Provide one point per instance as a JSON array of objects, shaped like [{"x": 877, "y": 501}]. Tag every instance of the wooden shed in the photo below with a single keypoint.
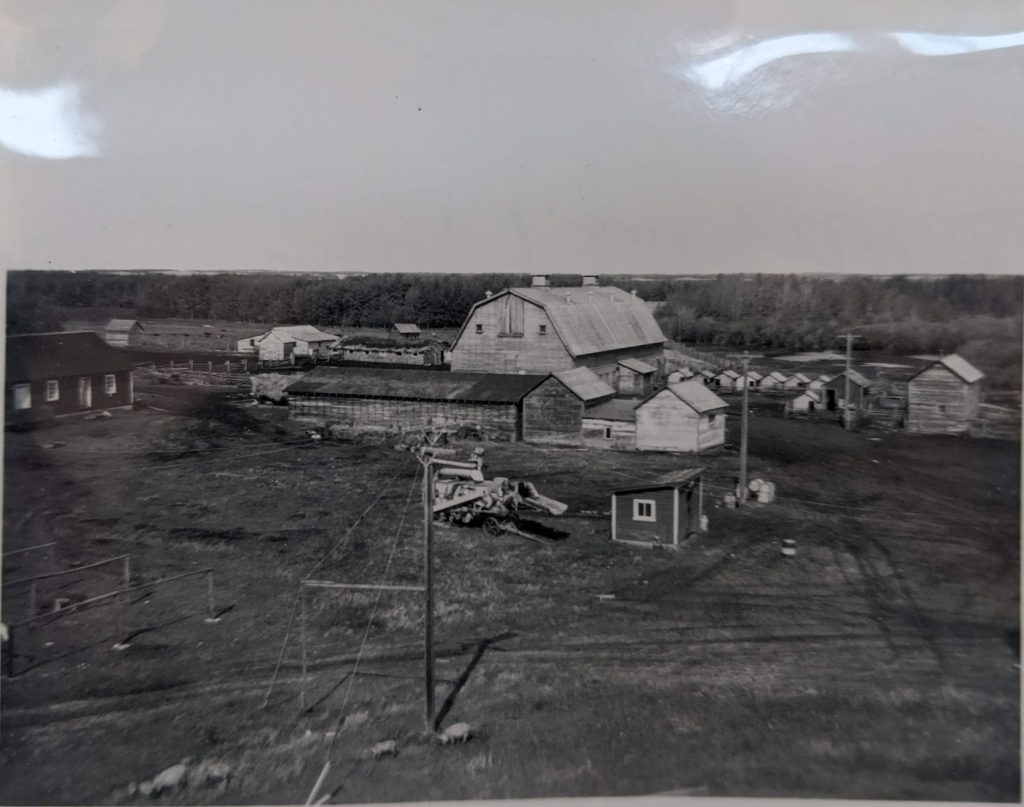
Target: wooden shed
[
  {"x": 662, "y": 512},
  {"x": 686, "y": 417},
  {"x": 407, "y": 330},
  {"x": 834, "y": 390},
  {"x": 682, "y": 374},
  {"x": 123, "y": 333},
  {"x": 588, "y": 387},
  {"x": 635, "y": 377},
  {"x": 944, "y": 397},
  {"x": 806, "y": 401},
  {"x": 611, "y": 424},
  {"x": 774, "y": 380},
  {"x": 726, "y": 379},
  {"x": 796, "y": 381}
]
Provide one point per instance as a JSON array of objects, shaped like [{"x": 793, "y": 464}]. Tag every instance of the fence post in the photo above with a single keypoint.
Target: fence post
[
  {"x": 127, "y": 569},
  {"x": 245, "y": 364},
  {"x": 210, "y": 366}
]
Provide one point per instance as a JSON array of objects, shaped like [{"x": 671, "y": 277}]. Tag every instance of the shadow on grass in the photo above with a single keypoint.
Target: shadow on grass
[{"x": 478, "y": 654}]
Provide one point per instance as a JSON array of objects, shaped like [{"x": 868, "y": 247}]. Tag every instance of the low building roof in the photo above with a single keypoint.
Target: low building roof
[
  {"x": 695, "y": 395},
  {"x": 809, "y": 394},
  {"x": 586, "y": 384},
  {"x": 407, "y": 327},
  {"x": 421, "y": 385},
  {"x": 708, "y": 373},
  {"x": 615, "y": 409},
  {"x": 123, "y": 325},
  {"x": 729, "y": 373},
  {"x": 855, "y": 378},
  {"x": 637, "y": 366},
  {"x": 300, "y": 333},
  {"x": 776, "y": 375},
  {"x": 675, "y": 479},
  {"x": 799, "y": 377},
  {"x": 34, "y": 357},
  {"x": 959, "y": 366},
  {"x": 756, "y": 376}
]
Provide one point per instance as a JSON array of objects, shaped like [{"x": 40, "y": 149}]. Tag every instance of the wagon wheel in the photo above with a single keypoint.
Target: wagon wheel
[{"x": 493, "y": 527}]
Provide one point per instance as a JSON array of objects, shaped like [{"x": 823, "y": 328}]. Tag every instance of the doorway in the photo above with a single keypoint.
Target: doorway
[
  {"x": 84, "y": 392},
  {"x": 830, "y": 400}
]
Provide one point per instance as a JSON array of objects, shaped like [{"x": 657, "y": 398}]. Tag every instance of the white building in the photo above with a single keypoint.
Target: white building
[{"x": 287, "y": 341}]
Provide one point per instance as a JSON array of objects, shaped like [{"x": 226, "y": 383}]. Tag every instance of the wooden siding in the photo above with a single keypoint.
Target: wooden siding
[
  {"x": 492, "y": 352},
  {"x": 132, "y": 338},
  {"x": 67, "y": 403},
  {"x": 494, "y": 421},
  {"x": 622, "y": 436},
  {"x": 940, "y": 402},
  {"x": 606, "y": 365},
  {"x": 630, "y": 382},
  {"x": 655, "y": 532},
  {"x": 427, "y": 356},
  {"x": 552, "y": 414},
  {"x": 665, "y": 423},
  {"x": 273, "y": 348}
]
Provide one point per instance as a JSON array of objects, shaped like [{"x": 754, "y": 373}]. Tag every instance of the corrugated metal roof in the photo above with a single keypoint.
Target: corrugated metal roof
[
  {"x": 674, "y": 479},
  {"x": 123, "y": 324},
  {"x": 961, "y": 367},
  {"x": 55, "y": 355},
  {"x": 587, "y": 385},
  {"x": 406, "y": 327},
  {"x": 696, "y": 395},
  {"x": 638, "y": 366},
  {"x": 424, "y": 385},
  {"x": 615, "y": 409},
  {"x": 590, "y": 319},
  {"x": 300, "y": 333}
]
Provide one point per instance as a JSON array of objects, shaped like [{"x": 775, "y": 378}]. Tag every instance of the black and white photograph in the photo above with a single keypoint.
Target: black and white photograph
[{"x": 443, "y": 400}]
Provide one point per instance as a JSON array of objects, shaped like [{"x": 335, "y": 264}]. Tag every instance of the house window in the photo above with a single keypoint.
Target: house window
[
  {"x": 543, "y": 329},
  {"x": 52, "y": 391},
  {"x": 479, "y": 328},
  {"x": 110, "y": 383},
  {"x": 644, "y": 510},
  {"x": 607, "y": 432},
  {"x": 22, "y": 396}
]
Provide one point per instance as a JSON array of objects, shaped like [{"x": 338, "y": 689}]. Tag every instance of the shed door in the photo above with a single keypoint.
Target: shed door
[
  {"x": 830, "y": 400},
  {"x": 84, "y": 392}
]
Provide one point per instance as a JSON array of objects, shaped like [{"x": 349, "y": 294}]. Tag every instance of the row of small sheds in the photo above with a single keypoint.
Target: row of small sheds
[{"x": 733, "y": 380}]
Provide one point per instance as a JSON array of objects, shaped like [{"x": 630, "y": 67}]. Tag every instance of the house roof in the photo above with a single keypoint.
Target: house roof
[
  {"x": 695, "y": 395},
  {"x": 959, "y": 366},
  {"x": 823, "y": 377},
  {"x": 615, "y": 409},
  {"x": 708, "y": 373},
  {"x": 685, "y": 372},
  {"x": 855, "y": 378},
  {"x": 589, "y": 319},
  {"x": 811, "y": 394},
  {"x": 675, "y": 479},
  {"x": 300, "y": 333},
  {"x": 407, "y": 327},
  {"x": 799, "y": 377},
  {"x": 775, "y": 375},
  {"x": 638, "y": 366},
  {"x": 753, "y": 374},
  {"x": 729, "y": 374},
  {"x": 585, "y": 383},
  {"x": 54, "y": 355},
  {"x": 123, "y": 324},
  {"x": 423, "y": 385}
]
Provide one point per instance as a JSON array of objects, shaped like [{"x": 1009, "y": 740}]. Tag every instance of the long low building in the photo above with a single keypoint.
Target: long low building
[{"x": 536, "y": 408}]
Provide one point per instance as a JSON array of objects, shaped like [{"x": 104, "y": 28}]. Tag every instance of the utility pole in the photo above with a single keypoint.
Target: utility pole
[
  {"x": 745, "y": 357},
  {"x": 428, "y": 574},
  {"x": 849, "y": 337}
]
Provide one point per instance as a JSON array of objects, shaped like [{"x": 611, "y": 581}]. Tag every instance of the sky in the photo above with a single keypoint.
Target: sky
[{"x": 562, "y": 136}]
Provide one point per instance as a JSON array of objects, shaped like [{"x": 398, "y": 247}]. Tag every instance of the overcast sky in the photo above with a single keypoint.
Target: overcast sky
[{"x": 506, "y": 135}]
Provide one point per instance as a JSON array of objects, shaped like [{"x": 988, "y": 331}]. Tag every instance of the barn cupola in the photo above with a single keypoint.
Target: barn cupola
[
  {"x": 540, "y": 280},
  {"x": 590, "y": 280}
]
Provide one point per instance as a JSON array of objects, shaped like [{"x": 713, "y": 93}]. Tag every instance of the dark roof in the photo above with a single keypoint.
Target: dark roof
[
  {"x": 615, "y": 409},
  {"x": 675, "y": 479},
  {"x": 422, "y": 385},
  {"x": 55, "y": 355}
]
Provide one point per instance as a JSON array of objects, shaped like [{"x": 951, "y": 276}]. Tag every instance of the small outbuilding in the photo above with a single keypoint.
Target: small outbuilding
[
  {"x": 797, "y": 381},
  {"x": 611, "y": 424},
  {"x": 123, "y": 333},
  {"x": 635, "y": 377},
  {"x": 727, "y": 379},
  {"x": 944, "y": 397},
  {"x": 662, "y": 512},
  {"x": 407, "y": 330},
  {"x": 752, "y": 378},
  {"x": 774, "y": 380},
  {"x": 682, "y": 374},
  {"x": 707, "y": 376},
  {"x": 587, "y": 385},
  {"x": 686, "y": 417},
  {"x": 833, "y": 392},
  {"x": 288, "y": 342},
  {"x": 819, "y": 381},
  {"x": 807, "y": 401}
]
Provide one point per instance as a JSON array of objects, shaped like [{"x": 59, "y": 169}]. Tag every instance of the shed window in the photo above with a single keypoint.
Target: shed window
[
  {"x": 479, "y": 328},
  {"x": 941, "y": 409},
  {"x": 712, "y": 419},
  {"x": 110, "y": 383},
  {"x": 52, "y": 391},
  {"x": 22, "y": 396},
  {"x": 644, "y": 510},
  {"x": 607, "y": 432},
  {"x": 543, "y": 329}
]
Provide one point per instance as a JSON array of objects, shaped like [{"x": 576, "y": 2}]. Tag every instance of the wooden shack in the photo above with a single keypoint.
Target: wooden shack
[
  {"x": 407, "y": 330},
  {"x": 682, "y": 374},
  {"x": 833, "y": 391},
  {"x": 662, "y": 512},
  {"x": 686, "y": 417},
  {"x": 774, "y": 380},
  {"x": 796, "y": 381},
  {"x": 611, "y": 424},
  {"x": 635, "y": 377},
  {"x": 944, "y": 397},
  {"x": 123, "y": 333},
  {"x": 727, "y": 379},
  {"x": 588, "y": 387},
  {"x": 807, "y": 401}
]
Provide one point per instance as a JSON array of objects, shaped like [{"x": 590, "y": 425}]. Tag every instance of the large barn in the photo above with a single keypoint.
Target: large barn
[
  {"x": 535, "y": 408},
  {"x": 544, "y": 329},
  {"x": 944, "y": 397},
  {"x": 58, "y": 374}
]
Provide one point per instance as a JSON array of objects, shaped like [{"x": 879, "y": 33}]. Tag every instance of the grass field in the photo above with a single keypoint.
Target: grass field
[{"x": 881, "y": 662}]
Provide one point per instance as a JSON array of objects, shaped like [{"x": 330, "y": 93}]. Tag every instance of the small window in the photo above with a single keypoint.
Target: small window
[
  {"x": 644, "y": 510},
  {"x": 110, "y": 383},
  {"x": 543, "y": 329},
  {"x": 22, "y": 396},
  {"x": 712, "y": 419},
  {"x": 52, "y": 391},
  {"x": 252, "y": 342},
  {"x": 941, "y": 409},
  {"x": 607, "y": 432},
  {"x": 479, "y": 328}
]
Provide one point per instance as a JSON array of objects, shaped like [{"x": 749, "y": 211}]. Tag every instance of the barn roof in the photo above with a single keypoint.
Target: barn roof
[
  {"x": 407, "y": 328},
  {"x": 638, "y": 366},
  {"x": 422, "y": 385},
  {"x": 695, "y": 395},
  {"x": 54, "y": 355},
  {"x": 675, "y": 479},
  {"x": 959, "y": 366},
  {"x": 300, "y": 333},
  {"x": 123, "y": 325},
  {"x": 615, "y": 409},
  {"x": 585, "y": 383},
  {"x": 589, "y": 319}
]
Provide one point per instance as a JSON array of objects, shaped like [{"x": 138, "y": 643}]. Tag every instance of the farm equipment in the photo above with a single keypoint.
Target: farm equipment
[{"x": 462, "y": 496}]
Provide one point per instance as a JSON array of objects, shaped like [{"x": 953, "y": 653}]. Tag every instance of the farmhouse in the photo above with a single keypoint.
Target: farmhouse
[
  {"x": 287, "y": 341},
  {"x": 611, "y": 424},
  {"x": 123, "y": 333},
  {"x": 537, "y": 408},
  {"x": 796, "y": 381},
  {"x": 58, "y": 374},
  {"x": 542, "y": 329},
  {"x": 944, "y": 397},
  {"x": 774, "y": 380},
  {"x": 407, "y": 330},
  {"x": 682, "y": 417},
  {"x": 636, "y": 377},
  {"x": 662, "y": 512}
]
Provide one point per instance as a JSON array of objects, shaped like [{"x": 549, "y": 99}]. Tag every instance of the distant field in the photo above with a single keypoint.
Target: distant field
[{"x": 881, "y": 662}]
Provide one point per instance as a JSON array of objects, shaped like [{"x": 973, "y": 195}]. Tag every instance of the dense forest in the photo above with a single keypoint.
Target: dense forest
[{"x": 980, "y": 317}]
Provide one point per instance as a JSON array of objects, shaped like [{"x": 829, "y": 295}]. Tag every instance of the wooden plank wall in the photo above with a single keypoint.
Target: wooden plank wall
[
  {"x": 623, "y": 434},
  {"x": 490, "y": 352},
  {"x": 664, "y": 423},
  {"x": 938, "y": 387},
  {"x": 660, "y": 531},
  {"x": 552, "y": 414}
]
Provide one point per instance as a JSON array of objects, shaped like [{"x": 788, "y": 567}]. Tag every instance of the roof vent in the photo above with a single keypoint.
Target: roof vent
[
  {"x": 568, "y": 297},
  {"x": 488, "y": 293},
  {"x": 590, "y": 280},
  {"x": 633, "y": 292},
  {"x": 540, "y": 280}
]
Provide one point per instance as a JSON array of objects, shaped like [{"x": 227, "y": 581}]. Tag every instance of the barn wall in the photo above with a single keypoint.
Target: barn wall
[
  {"x": 937, "y": 387},
  {"x": 68, "y": 402},
  {"x": 623, "y": 434},
  {"x": 490, "y": 352},
  {"x": 552, "y": 414},
  {"x": 659, "y": 532},
  {"x": 664, "y": 423},
  {"x": 494, "y": 421}
]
